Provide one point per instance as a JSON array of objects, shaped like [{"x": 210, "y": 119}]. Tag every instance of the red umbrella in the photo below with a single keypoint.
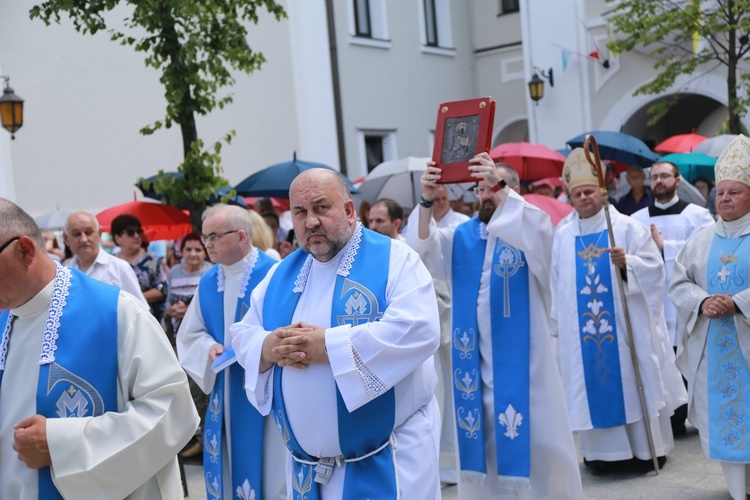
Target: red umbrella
[
  {"x": 159, "y": 222},
  {"x": 556, "y": 209},
  {"x": 681, "y": 143},
  {"x": 533, "y": 161}
]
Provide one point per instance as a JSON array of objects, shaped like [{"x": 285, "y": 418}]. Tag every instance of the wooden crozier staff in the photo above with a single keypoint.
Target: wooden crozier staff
[{"x": 596, "y": 164}]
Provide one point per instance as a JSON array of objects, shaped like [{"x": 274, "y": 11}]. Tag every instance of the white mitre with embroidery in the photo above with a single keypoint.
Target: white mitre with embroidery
[
  {"x": 577, "y": 170},
  {"x": 734, "y": 162}
]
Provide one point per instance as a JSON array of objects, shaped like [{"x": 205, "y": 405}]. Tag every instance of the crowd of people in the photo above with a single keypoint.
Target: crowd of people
[{"x": 337, "y": 353}]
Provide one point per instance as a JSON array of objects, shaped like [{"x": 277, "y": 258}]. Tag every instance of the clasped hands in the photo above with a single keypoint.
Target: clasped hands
[
  {"x": 718, "y": 306},
  {"x": 296, "y": 345}
]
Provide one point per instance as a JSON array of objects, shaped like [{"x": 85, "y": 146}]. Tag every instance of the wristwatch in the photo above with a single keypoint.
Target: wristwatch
[{"x": 500, "y": 185}]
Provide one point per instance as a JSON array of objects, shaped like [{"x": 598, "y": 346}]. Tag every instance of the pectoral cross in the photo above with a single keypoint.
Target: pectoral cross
[{"x": 724, "y": 273}]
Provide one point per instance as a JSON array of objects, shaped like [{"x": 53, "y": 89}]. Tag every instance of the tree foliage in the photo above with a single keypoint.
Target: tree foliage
[
  {"x": 195, "y": 45},
  {"x": 687, "y": 37}
]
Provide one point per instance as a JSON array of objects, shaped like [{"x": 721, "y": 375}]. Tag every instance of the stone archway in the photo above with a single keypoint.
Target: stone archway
[
  {"x": 690, "y": 112},
  {"x": 513, "y": 130}
]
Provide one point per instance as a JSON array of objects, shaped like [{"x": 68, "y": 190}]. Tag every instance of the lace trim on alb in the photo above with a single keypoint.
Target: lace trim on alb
[
  {"x": 483, "y": 231},
  {"x": 220, "y": 279},
  {"x": 5, "y": 340},
  {"x": 350, "y": 252},
  {"x": 301, "y": 281},
  {"x": 248, "y": 272},
  {"x": 56, "y": 305},
  {"x": 374, "y": 387}
]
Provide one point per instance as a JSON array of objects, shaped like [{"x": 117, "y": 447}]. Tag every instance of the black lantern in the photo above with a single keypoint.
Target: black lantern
[
  {"x": 11, "y": 109},
  {"x": 536, "y": 84}
]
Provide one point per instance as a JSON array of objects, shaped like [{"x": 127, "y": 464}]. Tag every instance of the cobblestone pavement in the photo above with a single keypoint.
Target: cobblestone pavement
[{"x": 687, "y": 475}]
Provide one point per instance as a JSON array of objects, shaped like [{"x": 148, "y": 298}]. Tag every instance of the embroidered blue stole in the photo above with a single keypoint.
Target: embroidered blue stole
[
  {"x": 598, "y": 332},
  {"x": 728, "y": 376},
  {"x": 510, "y": 325},
  {"x": 79, "y": 378},
  {"x": 357, "y": 299},
  {"x": 247, "y": 423}
]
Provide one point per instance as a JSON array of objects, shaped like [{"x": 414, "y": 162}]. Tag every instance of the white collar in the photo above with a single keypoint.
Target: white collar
[{"x": 668, "y": 204}]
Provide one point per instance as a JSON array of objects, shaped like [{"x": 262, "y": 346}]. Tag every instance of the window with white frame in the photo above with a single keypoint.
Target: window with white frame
[
  {"x": 368, "y": 19},
  {"x": 508, "y": 6},
  {"x": 436, "y": 27},
  {"x": 376, "y": 146}
]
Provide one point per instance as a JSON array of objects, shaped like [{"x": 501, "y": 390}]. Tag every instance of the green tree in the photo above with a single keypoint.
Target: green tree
[
  {"x": 687, "y": 37},
  {"x": 194, "y": 44}
]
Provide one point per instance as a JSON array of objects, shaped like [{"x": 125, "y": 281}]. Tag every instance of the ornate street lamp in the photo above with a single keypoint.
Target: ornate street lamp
[
  {"x": 536, "y": 84},
  {"x": 11, "y": 109}
]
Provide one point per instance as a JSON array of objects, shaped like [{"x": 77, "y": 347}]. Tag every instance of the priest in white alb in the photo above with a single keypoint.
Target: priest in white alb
[
  {"x": 242, "y": 453},
  {"x": 514, "y": 439},
  {"x": 338, "y": 346},
  {"x": 709, "y": 288},
  {"x": 93, "y": 403},
  {"x": 595, "y": 358}
]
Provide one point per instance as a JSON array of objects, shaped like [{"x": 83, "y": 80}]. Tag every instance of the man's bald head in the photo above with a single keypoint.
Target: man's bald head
[
  {"x": 14, "y": 221},
  {"x": 82, "y": 235},
  {"x": 322, "y": 175}
]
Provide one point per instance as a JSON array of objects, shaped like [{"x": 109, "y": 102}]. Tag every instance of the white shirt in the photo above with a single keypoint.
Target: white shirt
[
  {"x": 130, "y": 453},
  {"x": 113, "y": 271}
]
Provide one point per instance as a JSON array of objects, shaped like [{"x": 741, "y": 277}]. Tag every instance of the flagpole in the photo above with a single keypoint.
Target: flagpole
[{"x": 596, "y": 164}]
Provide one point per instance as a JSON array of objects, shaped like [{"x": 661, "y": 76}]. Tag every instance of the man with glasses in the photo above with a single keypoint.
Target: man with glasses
[
  {"x": 82, "y": 235},
  {"x": 506, "y": 385},
  {"x": 94, "y": 403},
  {"x": 241, "y": 449},
  {"x": 672, "y": 223}
]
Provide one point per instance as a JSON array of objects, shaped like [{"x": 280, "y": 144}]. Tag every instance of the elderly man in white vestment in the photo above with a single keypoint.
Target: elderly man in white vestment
[
  {"x": 594, "y": 354},
  {"x": 514, "y": 439},
  {"x": 94, "y": 403},
  {"x": 82, "y": 235},
  {"x": 672, "y": 222},
  {"x": 242, "y": 451},
  {"x": 338, "y": 345},
  {"x": 709, "y": 287}
]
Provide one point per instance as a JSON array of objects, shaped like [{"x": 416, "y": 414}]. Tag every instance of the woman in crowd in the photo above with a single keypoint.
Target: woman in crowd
[
  {"x": 263, "y": 238},
  {"x": 152, "y": 275},
  {"x": 184, "y": 278}
]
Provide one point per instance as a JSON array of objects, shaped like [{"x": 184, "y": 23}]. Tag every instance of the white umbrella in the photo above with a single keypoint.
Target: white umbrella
[
  {"x": 52, "y": 221},
  {"x": 714, "y": 145},
  {"x": 396, "y": 179}
]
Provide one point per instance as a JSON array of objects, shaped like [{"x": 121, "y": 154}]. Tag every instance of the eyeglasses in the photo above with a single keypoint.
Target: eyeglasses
[
  {"x": 132, "y": 232},
  {"x": 210, "y": 238},
  {"x": 5, "y": 245},
  {"x": 663, "y": 177}
]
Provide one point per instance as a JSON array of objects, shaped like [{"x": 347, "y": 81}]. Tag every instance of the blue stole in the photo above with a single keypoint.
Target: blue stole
[
  {"x": 247, "y": 428},
  {"x": 357, "y": 299},
  {"x": 78, "y": 369},
  {"x": 598, "y": 332},
  {"x": 728, "y": 377},
  {"x": 510, "y": 325}
]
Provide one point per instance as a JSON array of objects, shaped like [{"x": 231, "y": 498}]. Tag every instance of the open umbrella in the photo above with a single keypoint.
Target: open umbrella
[
  {"x": 532, "y": 161},
  {"x": 556, "y": 209},
  {"x": 52, "y": 221},
  {"x": 713, "y": 146},
  {"x": 159, "y": 222},
  {"x": 619, "y": 147},
  {"x": 681, "y": 143},
  {"x": 274, "y": 181},
  {"x": 693, "y": 165},
  {"x": 147, "y": 188},
  {"x": 396, "y": 179}
]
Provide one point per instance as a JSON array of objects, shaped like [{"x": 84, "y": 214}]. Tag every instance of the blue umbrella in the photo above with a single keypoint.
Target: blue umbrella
[
  {"x": 693, "y": 165},
  {"x": 619, "y": 147},
  {"x": 147, "y": 188},
  {"x": 274, "y": 181}
]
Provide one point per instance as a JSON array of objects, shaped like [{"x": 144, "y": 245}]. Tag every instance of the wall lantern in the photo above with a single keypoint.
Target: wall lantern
[
  {"x": 11, "y": 109},
  {"x": 536, "y": 84}
]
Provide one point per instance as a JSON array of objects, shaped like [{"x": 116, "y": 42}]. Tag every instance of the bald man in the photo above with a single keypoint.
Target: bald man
[
  {"x": 82, "y": 235},
  {"x": 338, "y": 346}
]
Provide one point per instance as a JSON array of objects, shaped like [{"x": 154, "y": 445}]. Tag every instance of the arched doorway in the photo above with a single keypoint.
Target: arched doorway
[{"x": 514, "y": 130}]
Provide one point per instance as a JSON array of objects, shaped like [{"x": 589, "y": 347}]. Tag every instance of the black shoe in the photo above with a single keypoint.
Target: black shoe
[
  {"x": 599, "y": 467},
  {"x": 648, "y": 465},
  {"x": 678, "y": 428}
]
